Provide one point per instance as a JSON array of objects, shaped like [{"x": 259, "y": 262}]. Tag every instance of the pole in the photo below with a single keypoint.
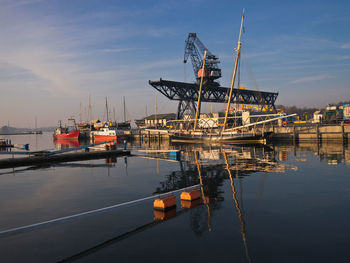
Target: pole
[
  {"x": 234, "y": 73},
  {"x": 200, "y": 91},
  {"x": 124, "y": 108},
  {"x": 107, "y": 110},
  {"x": 155, "y": 111}
]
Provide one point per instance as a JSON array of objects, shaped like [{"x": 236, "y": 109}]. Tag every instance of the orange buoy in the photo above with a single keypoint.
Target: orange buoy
[
  {"x": 164, "y": 215},
  {"x": 190, "y": 204},
  {"x": 190, "y": 196},
  {"x": 284, "y": 124},
  {"x": 166, "y": 203}
]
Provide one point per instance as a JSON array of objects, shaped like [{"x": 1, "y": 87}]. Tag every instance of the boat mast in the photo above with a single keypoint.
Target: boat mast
[
  {"x": 200, "y": 91},
  {"x": 124, "y": 108},
  {"x": 107, "y": 110},
  {"x": 234, "y": 72},
  {"x": 155, "y": 111}
]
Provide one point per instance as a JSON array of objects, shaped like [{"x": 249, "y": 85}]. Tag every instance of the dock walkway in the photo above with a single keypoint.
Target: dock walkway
[{"x": 58, "y": 158}]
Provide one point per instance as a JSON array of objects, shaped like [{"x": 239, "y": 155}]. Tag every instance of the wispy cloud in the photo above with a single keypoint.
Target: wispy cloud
[
  {"x": 346, "y": 46},
  {"x": 14, "y": 4},
  {"x": 119, "y": 50},
  {"x": 311, "y": 78}
]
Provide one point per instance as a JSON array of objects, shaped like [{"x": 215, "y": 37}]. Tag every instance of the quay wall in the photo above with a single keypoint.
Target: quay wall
[
  {"x": 311, "y": 132},
  {"x": 291, "y": 132}
]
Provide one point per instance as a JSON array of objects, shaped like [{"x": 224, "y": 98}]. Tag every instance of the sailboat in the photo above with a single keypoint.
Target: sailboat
[
  {"x": 108, "y": 132},
  {"x": 125, "y": 125},
  {"x": 238, "y": 134}
]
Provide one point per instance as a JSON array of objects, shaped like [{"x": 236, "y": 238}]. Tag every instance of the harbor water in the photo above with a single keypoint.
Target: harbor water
[{"x": 271, "y": 203}]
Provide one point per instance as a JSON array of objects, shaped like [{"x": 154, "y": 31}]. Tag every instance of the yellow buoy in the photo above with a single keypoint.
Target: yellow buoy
[
  {"x": 190, "y": 196},
  {"x": 166, "y": 203}
]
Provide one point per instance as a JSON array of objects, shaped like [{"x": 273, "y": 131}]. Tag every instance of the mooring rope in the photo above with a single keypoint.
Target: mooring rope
[{"x": 92, "y": 212}]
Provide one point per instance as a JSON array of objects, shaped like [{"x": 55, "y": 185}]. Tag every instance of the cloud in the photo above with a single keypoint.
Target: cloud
[
  {"x": 346, "y": 46},
  {"x": 119, "y": 50},
  {"x": 311, "y": 78}
]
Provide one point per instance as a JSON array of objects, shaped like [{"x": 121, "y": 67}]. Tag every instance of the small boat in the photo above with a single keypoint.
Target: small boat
[
  {"x": 65, "y": 133},
  {"x": 108, "y": 133}
]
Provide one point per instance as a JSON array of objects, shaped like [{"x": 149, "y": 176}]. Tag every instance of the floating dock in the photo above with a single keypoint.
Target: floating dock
[{"x": 58, "y": 158}]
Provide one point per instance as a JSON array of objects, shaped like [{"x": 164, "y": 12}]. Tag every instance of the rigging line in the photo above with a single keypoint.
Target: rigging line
[
  {"x": 251, "y": 75},
  {"x": 91, "y": 212}
]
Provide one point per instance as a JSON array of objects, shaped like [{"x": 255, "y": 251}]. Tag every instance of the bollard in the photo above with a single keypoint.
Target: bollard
[
  {"x": 124, "y": 145},
  {"x": 85, "y": 150}
]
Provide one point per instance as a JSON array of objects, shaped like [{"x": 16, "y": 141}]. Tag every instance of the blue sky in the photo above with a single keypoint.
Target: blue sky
[{"x": 53, "y": 54}]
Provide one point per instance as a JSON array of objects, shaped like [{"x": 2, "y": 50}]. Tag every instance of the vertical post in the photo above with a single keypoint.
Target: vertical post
[
  {"x": 155, "y": 112},
  {"x": 294, "y": 135},
  {"x": 107, "y": 117},
  {"x": 344, "y": 135},
  {"x": 124, "y": 108},
  {"x": 234, "y": 73},
  {"x": 200, "y": 91}
]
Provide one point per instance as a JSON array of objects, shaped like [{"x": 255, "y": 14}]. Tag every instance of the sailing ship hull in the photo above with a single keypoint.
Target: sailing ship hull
[
  {"x": 74, "y": 135},
  {"x": 239, "y": 138}
]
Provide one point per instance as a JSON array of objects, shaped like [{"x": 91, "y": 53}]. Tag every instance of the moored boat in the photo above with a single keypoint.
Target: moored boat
[
  {"x": 233, "y": 138},
  {"x": 108, "y": 133},
  {"x": 66, "y": 133},
  {"x": 63, "y": 134}
]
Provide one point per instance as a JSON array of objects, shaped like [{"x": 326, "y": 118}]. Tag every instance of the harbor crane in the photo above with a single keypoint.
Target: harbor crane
[
  {"x": 187, "y": 93},
  {"x": 194, "y": 49}
]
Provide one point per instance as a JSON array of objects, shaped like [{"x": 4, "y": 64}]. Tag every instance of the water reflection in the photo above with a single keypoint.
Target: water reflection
[
  {"x": 211, "y": 165},
  {"x": 65, "y": 144},
  {"x": 239, "y": 211},
  {"x": 332, "y": 153},
  {"x": 218, "y": 169}
]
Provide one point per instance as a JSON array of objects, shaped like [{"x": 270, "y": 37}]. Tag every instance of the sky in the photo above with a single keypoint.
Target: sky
[{"x": 54, "y": 54}]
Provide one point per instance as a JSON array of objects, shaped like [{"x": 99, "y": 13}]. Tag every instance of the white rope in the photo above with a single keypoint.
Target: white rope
[{"x": 92, "y": 212}]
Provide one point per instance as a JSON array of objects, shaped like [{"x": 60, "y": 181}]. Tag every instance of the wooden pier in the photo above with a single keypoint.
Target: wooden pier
[
  {"x": 150, "y": 135},
  {"x": 58, "y": 158}
]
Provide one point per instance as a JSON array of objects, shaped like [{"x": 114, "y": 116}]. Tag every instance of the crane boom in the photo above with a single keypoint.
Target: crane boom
[{"x": 195, "y": 49}]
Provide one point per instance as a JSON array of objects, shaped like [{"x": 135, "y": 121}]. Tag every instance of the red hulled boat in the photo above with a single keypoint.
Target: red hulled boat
[
  {"x": 109, "y": 134},
  {"x": 63, "y": 133}
]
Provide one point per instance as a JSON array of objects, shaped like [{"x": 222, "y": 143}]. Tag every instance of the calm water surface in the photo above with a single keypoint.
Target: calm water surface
[{"x": 279, "y": 203}]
